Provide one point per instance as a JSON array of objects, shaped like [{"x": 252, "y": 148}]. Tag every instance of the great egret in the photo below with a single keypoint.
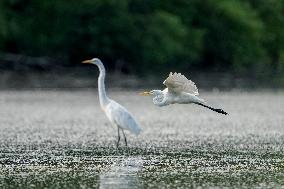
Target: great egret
[
  {"x": 117, "y": 114},
  {"x": 179, "y": 90}
]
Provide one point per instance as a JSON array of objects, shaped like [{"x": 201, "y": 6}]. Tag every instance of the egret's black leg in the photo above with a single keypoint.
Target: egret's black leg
[
  {"x": 124, "y": 137},
  {"x": 213, "y": 109},
  {"x": 118, "y": 137}
]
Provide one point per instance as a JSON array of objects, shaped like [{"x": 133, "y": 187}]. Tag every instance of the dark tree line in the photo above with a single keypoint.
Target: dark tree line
[{"x": 144, "y": 36}]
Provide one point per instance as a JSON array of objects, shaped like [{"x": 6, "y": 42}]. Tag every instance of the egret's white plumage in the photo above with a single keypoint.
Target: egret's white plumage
[
  {"x": 179, "y": 90},
  {"x": 117, "y": 114},
  {"x": 179, "y": 83}
]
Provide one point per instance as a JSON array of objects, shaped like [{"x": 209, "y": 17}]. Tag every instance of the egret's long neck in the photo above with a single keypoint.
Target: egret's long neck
[{"x": 104, "y": 100}]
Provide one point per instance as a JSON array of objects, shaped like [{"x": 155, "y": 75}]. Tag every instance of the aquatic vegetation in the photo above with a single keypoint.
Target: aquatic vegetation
[{"x": 51, "y": 139}]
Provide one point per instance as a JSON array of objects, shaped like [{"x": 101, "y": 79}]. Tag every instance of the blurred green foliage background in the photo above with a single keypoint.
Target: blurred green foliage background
[{"x": 143, "y": 37}]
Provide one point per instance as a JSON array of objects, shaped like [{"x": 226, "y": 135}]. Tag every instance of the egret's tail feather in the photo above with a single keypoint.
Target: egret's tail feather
[
  {"x": 202, "y": 101},
  {"x": 136, "y": 131},
  {"x": 213, "y": 109}
]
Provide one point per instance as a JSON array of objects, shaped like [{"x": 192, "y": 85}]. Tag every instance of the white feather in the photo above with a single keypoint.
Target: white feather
[
  {"x": 179, "y": 83},
  {"x": 118, "y": 115}
]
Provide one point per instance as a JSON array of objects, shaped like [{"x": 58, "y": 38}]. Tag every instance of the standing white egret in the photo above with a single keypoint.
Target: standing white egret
[
  {"x": 117, "y": 114},
  {"x": 179, "y": 90}
]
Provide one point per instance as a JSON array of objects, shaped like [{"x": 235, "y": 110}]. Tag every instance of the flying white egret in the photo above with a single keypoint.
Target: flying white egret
[
  {"x": 117, "y": 114},
  {"x": 179, "y": 90}
]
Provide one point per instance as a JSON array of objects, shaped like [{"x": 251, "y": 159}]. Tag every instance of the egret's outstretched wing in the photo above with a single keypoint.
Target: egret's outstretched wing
[{"x": 179, "y": 83}]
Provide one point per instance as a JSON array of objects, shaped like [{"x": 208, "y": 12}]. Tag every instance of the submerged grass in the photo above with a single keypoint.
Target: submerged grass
[{"x": 57, "y": 139}]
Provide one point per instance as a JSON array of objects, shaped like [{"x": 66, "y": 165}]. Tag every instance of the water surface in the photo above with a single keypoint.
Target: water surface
[{"x": 62, "y": 139}]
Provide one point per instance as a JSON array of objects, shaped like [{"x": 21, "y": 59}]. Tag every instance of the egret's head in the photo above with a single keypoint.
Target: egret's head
[
  {"x": 92, "y": 61},
  {"x": 153, "y": 92}
]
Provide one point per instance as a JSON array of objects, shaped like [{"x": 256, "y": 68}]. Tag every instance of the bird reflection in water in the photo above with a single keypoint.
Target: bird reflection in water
[{"x": 123, "y": 174}]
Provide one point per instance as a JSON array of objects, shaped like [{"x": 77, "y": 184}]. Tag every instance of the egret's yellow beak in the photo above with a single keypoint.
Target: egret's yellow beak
[
  {"x": 145, "y": 93},
  {"x": 87, "y": 62}
]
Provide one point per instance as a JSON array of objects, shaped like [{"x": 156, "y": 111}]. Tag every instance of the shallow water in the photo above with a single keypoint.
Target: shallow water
[{"x": 62, "y": 139}]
